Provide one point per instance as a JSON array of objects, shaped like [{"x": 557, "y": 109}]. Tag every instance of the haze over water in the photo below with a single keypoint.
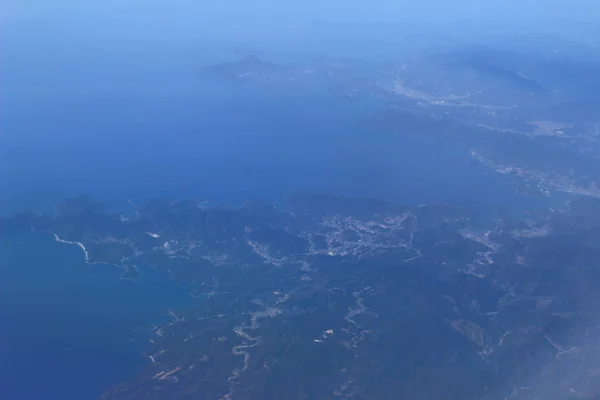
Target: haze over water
[
  {"x": 109, "y": 100},
  {"x": 135, "y": 120}
]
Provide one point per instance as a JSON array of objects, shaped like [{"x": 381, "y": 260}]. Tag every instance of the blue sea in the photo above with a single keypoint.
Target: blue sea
[
  {"x": 227, "y": 148},
  {"x": 138, "y": 120},
  {"x": 70, "y": 330}
]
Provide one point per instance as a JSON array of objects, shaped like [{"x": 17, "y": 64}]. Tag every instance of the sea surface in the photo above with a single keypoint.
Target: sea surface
[
  {"x": 132, "y": 126},
  {"x": 227, "y": 148},
  {"x": 69, "y": 330}
]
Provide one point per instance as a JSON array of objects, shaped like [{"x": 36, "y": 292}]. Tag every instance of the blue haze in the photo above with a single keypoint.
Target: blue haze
[{"x": 106, "y": 98}]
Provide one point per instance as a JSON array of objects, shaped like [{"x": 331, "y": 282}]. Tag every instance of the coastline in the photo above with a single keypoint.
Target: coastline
[
  {"x": 80, "y": 311},
  {"x": 81, "y": 246}
]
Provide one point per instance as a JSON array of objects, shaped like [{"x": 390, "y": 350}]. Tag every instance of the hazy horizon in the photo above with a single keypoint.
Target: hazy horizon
[
  {"x": 420, "y": 161},
  {"x": 239, "y": 19}
]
